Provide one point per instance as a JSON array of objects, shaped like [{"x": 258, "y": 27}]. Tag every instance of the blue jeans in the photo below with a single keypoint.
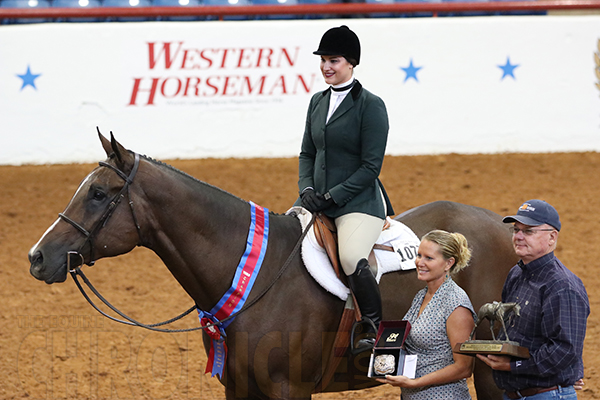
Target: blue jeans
[{"x": 562, "y": 393}]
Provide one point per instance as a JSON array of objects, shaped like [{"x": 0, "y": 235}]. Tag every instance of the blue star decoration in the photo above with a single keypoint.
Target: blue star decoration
[
  {"x": 28, "y": 79},
  {"x": 508, "y": 69},
  {"x": 411, "y": 71}
]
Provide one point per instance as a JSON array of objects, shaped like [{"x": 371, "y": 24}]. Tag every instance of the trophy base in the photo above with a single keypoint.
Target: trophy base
[{"x": 472, "y": 347}]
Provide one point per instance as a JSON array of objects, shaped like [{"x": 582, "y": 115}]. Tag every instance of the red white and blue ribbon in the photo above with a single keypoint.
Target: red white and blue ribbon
[{"x": 233, "y": 300}]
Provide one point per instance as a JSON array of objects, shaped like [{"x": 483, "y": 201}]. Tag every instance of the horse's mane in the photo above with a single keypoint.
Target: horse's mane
[{"x": 188, "y": 176}]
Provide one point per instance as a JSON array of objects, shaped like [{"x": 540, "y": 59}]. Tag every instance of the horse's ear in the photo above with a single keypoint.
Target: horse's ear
[
  {"x": 105, "y": 143},
  {"x": 119, "y": 151},
  {"x": 116, "y": 147}
]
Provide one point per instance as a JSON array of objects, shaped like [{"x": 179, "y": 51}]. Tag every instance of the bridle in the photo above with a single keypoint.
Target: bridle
[
  {"x": 91, "y": 234},
  {"x": 89, "y": 239},
  {"x": 110, "y": 209}
]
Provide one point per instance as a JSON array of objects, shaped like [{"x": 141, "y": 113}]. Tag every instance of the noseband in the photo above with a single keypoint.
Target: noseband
[{"x": 110, "y": 209}]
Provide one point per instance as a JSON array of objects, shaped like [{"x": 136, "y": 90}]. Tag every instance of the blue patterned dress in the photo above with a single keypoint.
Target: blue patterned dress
[{"x": 429, "y": 340}]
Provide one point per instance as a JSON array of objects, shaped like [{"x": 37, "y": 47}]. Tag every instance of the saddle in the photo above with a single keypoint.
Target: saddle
[{"x": 326, "y": 234}]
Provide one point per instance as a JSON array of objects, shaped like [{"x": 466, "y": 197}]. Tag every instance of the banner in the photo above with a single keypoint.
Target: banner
[{"x": 241, "y": 88}]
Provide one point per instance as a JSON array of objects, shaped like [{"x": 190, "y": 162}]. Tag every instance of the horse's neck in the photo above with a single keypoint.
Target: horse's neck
[{"x": 198, "y": 231}]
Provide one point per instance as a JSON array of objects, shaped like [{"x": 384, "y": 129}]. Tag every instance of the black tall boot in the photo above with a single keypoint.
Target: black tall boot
[{"x": 365, "y": 289}]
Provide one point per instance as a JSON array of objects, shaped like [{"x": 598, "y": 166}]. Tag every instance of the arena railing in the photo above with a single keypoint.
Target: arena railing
[{"x": 337, "y": 9}]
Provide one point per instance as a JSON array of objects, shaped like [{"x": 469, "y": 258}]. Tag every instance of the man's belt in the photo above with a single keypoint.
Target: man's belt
[{"x": 519, "y": 394}]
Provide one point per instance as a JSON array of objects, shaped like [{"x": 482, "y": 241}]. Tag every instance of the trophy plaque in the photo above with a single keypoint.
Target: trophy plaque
[{"x": 493, "y": 312}]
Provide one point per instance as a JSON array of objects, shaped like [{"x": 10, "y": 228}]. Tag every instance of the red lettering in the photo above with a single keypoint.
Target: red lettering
[
  {"x": 183, "y": 59},
  {"x": 166, "y": 50},
  {"x": 164, "y": 85},
  {"x": 188, "y": 85},
  {"x": 284, "y": 52},
  {"x": 300, "y": 79},
  {"x": 194, "y": 63},
  {"x": 202, "y": 56},
  {"x": 136, "y": 90},
  {"x": 279, "y": 83},
  {"x": 224, "y": 59},
  {"x": 244, "y": 57},
  {"x": 261, "y": 84},
  {"x": 210, "y": 84},
  {"x": 228, "y": 84},
  {"x": 267, "y": 57},
  {"x": 145, "y": 89}
]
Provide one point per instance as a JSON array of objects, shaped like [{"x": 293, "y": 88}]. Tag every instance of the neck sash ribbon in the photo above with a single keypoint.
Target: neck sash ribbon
[{"x": 235, "y": 297}]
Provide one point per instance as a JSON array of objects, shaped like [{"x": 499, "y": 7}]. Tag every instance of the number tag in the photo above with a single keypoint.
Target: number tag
[
  {"x": 407, "y": 252},
  {"x": 405, "y": 244}
]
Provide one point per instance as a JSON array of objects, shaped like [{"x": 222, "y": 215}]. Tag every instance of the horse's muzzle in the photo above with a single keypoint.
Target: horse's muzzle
[{"x": 41, "y": 272}]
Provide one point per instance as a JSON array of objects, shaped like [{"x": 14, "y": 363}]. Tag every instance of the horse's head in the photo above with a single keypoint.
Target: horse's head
[
  {"x": 93, "y": 225},
  {"x": 516, "y": 309}
]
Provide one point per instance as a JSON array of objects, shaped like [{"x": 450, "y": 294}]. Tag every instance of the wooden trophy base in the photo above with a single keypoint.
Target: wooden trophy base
[{"x": 472, "y": 347}]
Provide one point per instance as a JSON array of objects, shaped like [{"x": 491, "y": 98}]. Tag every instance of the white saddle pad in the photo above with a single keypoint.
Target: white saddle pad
[{"x": 399, "y": 236}]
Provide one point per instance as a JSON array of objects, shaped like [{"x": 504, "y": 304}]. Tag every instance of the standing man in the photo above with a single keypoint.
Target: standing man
[{"x": 554, "y": 310}]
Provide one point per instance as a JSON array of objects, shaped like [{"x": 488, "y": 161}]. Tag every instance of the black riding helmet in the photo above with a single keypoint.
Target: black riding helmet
[{"x": 340, "y": 41}]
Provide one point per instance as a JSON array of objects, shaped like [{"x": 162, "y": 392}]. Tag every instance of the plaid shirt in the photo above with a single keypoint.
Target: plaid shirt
[{"x": 554, "y": 310}]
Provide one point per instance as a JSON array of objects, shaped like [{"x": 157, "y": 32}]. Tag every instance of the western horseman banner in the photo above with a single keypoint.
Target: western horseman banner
[
  {"x": 241, "y": 88},
  {"x": 177, "y": 75}
]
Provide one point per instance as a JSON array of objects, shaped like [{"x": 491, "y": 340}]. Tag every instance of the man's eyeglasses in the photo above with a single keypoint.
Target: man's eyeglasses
[{"x": 527, "y": 232}]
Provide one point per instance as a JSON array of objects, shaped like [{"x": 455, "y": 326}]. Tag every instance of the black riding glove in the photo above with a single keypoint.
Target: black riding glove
[
  {"x": 314, "y": 201},
  {"x": 310, "y": 200}
]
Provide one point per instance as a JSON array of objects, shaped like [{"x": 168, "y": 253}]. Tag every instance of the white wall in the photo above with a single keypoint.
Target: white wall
[{"x": 458, "y": 103}]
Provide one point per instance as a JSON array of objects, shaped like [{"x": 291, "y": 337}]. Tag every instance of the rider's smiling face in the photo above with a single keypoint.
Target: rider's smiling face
[{"x": 336, "y": 69}]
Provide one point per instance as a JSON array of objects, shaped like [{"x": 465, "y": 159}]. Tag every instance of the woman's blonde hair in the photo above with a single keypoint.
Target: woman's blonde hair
[{"x": 452, "y": 245}]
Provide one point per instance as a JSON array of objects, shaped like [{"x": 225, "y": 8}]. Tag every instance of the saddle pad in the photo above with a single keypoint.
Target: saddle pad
[{"x": 399, "y": 236}]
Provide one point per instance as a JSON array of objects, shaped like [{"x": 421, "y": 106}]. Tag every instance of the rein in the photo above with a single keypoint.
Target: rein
[{"x": 102, "y": 222}]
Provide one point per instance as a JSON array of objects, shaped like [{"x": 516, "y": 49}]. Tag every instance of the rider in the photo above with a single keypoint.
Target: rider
[{"x": 340, "y": 160}]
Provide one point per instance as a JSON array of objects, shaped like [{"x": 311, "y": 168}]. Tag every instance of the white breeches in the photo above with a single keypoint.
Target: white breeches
[{"x": 357, "y": 233}]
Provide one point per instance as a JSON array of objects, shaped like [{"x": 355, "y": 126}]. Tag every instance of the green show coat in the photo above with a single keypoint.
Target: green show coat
[{"x": 344, "y": 156}]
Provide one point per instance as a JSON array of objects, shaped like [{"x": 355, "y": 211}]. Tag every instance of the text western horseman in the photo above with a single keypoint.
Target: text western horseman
[{"x": 216, "y": 73}]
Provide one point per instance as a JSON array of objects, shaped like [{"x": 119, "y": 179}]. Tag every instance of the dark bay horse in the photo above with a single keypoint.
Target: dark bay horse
[{"x": 279, "y": 346}]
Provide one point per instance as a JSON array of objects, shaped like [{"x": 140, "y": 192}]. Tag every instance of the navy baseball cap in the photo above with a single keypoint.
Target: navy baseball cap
[{"x": 535, "y": 213}]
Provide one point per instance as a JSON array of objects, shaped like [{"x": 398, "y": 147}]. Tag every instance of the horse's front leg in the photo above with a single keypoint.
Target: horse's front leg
[
  {"x": 474, "y": 329},
  {"x": 504, "y": 329},
  {"x": 492, "y": 329}
]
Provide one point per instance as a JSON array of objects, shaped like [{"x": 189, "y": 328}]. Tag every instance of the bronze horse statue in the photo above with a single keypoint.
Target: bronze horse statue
[
  {"x": 496, "y": 312},
  {"x": 279, "y": 347}
]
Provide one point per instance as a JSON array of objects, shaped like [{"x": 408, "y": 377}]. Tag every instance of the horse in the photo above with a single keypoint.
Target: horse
[
  {"x": 496, "y": 312},
  {"x": 279, "y": 347}
]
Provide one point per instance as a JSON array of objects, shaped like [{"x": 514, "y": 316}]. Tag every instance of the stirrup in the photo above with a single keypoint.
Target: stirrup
[{"x": 358, "y": 350}]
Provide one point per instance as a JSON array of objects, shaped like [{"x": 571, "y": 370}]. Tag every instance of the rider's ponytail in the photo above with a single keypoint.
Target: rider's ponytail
[{"x": 452, "y": 245}]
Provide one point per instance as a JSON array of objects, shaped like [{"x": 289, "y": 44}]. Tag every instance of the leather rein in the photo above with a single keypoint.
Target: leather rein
[{"x": 90, "y": 235}]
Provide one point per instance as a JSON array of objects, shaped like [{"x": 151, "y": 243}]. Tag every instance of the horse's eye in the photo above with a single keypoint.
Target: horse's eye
[{"x": 99, "y": 195}]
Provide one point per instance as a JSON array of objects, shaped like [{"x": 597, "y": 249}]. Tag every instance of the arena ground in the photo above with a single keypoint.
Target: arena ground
[{"x": 54, "y": 345}]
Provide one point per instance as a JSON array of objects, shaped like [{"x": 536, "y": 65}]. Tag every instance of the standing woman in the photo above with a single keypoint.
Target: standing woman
[
  {"x": 441, "y": 315},
  {"x": 340, "y": 161}
]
